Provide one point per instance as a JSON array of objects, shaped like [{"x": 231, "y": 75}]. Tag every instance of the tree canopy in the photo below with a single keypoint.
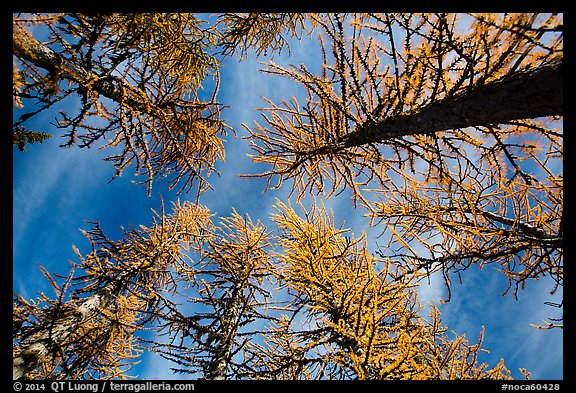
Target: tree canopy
[
  {"x": 446, "y": 129},
  {"x": 418, "y": 111}
]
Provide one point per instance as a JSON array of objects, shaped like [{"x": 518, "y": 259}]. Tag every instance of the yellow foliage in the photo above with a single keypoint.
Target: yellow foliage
[
  {"x": 385, "y": 66},
  {"x": 368, "y": 308},
  {"x": 151, "y": 67},
  {"x": 93, "y": 334}
]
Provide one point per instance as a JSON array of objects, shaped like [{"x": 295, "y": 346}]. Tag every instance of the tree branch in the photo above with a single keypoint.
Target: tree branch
[{"x": 28, "y": 48}]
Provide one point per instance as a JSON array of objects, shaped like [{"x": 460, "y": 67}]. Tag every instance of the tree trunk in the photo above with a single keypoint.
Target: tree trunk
[
  {"x": 219, "y": 365},
  {"x": 522, "y": 95},
  {"x": 60, "y": 329},
  {"x": 28, "y": 48}
]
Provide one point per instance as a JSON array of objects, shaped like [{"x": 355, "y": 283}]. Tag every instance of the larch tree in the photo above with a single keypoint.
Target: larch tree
[
  {"x": 353, "y": 318},
  {"x": 125, "y": 285},
  {"x": 446, "y": 127},
  {"x": 141, "y": 81},
  {"x": 138, "y": 79},
  {"x": 227, "y": 288},
  {"x": 223, "y": 302}
]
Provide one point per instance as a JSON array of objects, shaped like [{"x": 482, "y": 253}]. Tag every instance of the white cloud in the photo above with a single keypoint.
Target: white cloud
[
  {"x": 478, "y": 302},
  {"x": 47, "y": 174},
  {"x": 48, "y": 181},
  {"x": 432, "y": 289}
]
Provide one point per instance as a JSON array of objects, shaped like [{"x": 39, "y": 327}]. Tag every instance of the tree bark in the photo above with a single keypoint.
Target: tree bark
[
  {"x": 522, "y": 95},
  {"x": 60, "y": 329},
  {"x": 219, "y": 366},
  {"x": 26, "y": 47}
]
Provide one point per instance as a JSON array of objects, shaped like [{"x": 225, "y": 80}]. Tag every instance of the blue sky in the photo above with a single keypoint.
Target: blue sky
[{"x": 56, "y": 189}]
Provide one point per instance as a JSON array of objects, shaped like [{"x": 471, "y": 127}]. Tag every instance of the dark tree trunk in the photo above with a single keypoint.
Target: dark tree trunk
[{"x": 522, "y": 95}]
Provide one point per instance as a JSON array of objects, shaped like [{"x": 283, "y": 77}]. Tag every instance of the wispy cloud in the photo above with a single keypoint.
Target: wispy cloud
[
  {"x": 48, "y": 182},
  {"x": 478, "y": 302},
  {"x": 56, "y": 189}
]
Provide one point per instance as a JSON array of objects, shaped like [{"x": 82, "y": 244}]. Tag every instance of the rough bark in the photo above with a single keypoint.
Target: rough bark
[
  {"x": 26, "y": 47},
  {"x": 522, "y": 95},
  {"x": 32, "y": 355},
  {"x": 219, "y": 365}
]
